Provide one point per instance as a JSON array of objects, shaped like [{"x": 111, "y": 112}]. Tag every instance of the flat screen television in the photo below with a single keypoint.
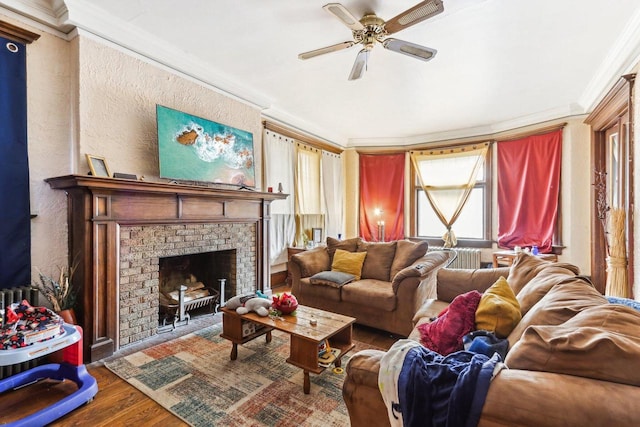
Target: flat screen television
[{"x": 195, "y": 149}]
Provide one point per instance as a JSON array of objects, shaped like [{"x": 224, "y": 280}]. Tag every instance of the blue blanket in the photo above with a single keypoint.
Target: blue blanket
[{"x": 435, "y": 390}]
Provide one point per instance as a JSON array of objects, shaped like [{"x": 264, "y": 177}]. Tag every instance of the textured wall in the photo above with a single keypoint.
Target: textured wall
[
  {"x": 87, "y": 97},
  {"x": 117, "y": 109}
]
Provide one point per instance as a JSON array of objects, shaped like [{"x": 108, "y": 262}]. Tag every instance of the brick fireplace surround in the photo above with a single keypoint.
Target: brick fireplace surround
[{"x": 118, "y": 230}]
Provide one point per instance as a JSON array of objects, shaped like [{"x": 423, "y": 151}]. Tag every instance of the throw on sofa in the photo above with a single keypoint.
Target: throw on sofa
[
  {"x": 573, "y": 358},
  {"x": 386, "y": 285}
]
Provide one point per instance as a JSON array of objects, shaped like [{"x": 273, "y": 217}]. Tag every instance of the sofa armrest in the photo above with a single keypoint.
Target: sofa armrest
[
  {"x": 421, "y": 268},
  {"x": 306, "y": 264},
  {"x": 312, "y": 261},
  {"x": 360, "y": 390},
  {"x": 454, "y": 282}
]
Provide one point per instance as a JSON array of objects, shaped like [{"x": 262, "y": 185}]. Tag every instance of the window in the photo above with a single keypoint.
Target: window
[{"x": 473, "y": 226}]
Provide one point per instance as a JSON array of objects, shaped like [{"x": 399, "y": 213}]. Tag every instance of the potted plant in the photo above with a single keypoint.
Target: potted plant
[{"x": 60, "y": 293}]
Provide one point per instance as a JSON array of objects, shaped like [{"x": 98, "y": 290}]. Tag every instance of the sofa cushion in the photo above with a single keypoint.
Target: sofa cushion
[
  {"x": 453, "y": 282},
  {"x": 348, "y": 262},
  {"x": 444, "y": 334},
  {"x": 600, "y": 342},
  {"x": 349, "y": 245},
  {"x": 566, "y": 298},
  {"x": 377, "y": 264},
  {"x": 498, "y": 310},
  {"x": 525, "y": 267},
  {"x": 310, "y": 293},
  {"x": 370, "y": 292},
  {"x": 407, "y": 252},
  {"x": 428, "y": 312},
  {"x": 335, "y": 279},
  {"x": 540, "y": 285}
]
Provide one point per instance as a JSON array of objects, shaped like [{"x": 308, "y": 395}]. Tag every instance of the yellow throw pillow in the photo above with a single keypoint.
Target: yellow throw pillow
[
  {"x": 499, "y": 310},
  {"x": 348, "y": 262}
]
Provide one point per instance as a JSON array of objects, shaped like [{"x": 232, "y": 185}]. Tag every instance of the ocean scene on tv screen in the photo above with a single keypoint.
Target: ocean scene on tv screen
[{"x": 195, "y": 149}]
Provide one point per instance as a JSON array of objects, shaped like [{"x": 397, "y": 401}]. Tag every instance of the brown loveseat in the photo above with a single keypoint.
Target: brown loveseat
[
  {"x": 574, "y": 358},
  {"x": 395, "y": 278}
]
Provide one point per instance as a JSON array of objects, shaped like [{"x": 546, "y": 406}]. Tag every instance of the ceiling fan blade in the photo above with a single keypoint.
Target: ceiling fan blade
[
  {"x": 418, "y": 13},
  {"x": 360, "y": 65},
  {"x": 343, "y": 14},
  {"x": 411, "y": 49},
  {"x": 328, "y": 49}
]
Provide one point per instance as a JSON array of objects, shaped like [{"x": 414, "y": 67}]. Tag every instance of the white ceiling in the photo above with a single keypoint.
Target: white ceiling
[{"x": 500, "y": 63}]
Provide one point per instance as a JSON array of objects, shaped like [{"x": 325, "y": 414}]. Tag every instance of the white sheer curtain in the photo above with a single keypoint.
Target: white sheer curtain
[
  {"x": 307, "y": 189},
  {"x": 333, "y": 191},
  {"x": 279, "y": 158},
  {"x": 447, "y": 192}
]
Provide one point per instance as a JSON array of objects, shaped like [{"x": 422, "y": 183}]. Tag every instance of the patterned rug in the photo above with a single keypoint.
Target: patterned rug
[{"x": 194, "y": 378}]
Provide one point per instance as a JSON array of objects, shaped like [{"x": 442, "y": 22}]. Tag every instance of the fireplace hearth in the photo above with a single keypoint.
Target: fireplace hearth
[{"x": 120, "y": 229}]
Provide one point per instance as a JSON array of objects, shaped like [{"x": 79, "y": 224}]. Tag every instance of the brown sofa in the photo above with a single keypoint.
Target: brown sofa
[
  {"x": 574, "y": 358},
  {"x": 395, "y": 278}
]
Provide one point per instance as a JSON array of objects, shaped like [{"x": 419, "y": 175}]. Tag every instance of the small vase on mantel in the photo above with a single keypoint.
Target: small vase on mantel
[{"x": 69, "y": 316}]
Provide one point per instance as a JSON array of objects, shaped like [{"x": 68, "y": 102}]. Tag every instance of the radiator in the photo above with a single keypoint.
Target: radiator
[
  {"x": 466, "y": 257},
  {"x": 8, "y": 297}
]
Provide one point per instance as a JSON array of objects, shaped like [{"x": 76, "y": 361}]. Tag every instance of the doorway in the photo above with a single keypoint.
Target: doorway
[{"x": 612, "y": 177}]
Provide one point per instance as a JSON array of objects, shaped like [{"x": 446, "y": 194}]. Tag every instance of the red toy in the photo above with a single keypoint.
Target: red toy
[{"x": 285, "y": 303}]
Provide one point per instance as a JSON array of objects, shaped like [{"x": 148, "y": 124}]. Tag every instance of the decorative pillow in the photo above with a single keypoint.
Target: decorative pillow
[
  {"x": 377, "y": 264},
  {"x": 600, "y": 342},
  {"x": 407, "y": 252},
  {"x": 348, "y": 262},
  {"x": 444, "y": 334},
  {"x": 335, "y": 279},
  {"x": 498, "y": 311},
  {"x": 350, "y": 245}
]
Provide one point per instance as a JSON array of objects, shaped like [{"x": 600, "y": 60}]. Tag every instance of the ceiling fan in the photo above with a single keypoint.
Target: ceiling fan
[{"x": 371, "y": 29}]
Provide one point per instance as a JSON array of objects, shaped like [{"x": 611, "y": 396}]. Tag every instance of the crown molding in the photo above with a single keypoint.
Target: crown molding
[
  {"x": 471, "y": 132},
  {"x": 92, "y": 20},
  {"x": 620, "y": 60},
  {"x": 50, "y": 13},
  {"x": 276, "y": 115}
]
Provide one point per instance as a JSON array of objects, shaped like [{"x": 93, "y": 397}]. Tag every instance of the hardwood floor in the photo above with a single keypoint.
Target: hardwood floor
[{"x": 117, "y": 403}]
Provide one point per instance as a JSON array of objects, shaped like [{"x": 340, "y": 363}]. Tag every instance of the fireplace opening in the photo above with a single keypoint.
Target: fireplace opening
[{"x": 192, "y": 285}]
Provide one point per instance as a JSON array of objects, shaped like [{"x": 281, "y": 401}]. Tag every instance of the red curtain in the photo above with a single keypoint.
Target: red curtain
[
  {"x": 528, "y": 190},
  {"x": 382, "y": 188}
]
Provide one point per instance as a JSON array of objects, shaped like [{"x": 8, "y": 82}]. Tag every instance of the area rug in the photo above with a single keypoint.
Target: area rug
[{"x": 194, "y": 378}]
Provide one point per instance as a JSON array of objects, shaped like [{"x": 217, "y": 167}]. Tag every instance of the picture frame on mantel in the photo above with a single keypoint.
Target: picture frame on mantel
[
  {"x": 317, "y": 234},
  {"x": 98, "y": 166}
]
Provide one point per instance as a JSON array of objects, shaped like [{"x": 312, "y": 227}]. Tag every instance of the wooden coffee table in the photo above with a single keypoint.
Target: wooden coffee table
[{"x": 304, "y": 337}]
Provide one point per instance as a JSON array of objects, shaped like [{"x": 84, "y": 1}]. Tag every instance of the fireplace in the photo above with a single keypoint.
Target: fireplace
[
  {"x": 120, "y": 229},
  {"x": 213, "y": 251}
]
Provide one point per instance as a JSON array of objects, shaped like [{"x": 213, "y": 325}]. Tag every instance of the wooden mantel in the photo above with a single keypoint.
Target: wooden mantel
[{"x": 98, "y": 206}]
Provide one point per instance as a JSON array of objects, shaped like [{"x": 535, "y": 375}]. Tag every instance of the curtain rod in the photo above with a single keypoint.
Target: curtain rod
[{"x": 290, "y": 133}]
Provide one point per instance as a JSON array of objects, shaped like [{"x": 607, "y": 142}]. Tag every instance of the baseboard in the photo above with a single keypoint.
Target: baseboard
[{"x": 279, "y": 279}]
